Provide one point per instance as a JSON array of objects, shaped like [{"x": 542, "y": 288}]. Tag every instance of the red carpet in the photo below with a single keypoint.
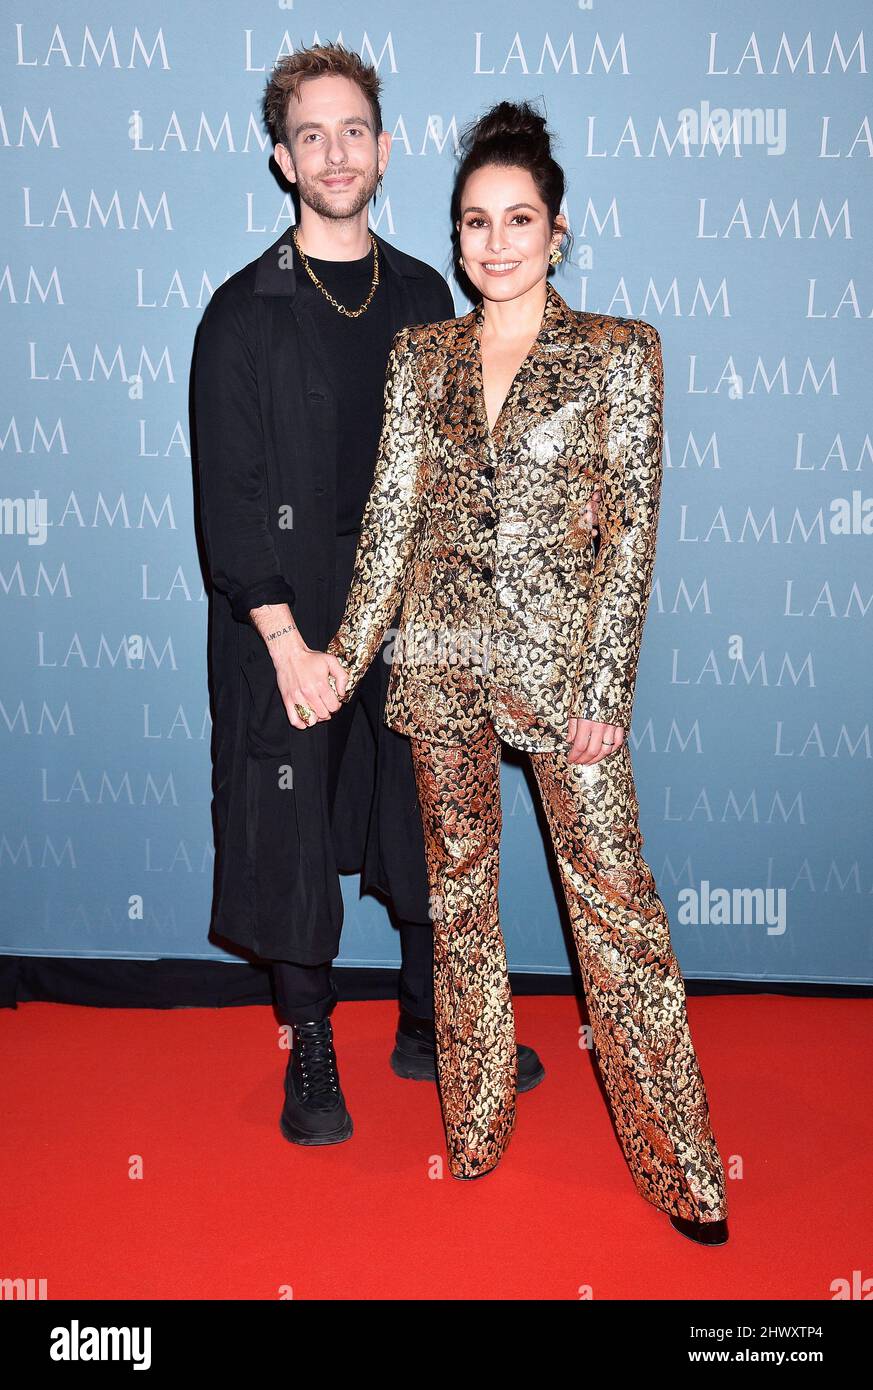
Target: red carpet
[{"x": 226, "y": 1208}]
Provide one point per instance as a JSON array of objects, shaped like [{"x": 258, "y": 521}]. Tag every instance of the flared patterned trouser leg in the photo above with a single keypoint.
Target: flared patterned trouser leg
[
  {"x": 633, "y": 986},
  {"x": 459, "y": 795}
]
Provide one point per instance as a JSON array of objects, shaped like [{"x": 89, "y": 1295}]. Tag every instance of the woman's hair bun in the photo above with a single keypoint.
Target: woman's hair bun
[{"x": 510, "y": 121}]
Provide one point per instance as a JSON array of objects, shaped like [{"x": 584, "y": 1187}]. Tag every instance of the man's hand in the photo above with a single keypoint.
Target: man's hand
[
  {"x": 591, "y": 513},
  {"x": 590, "y": 741},
  {"x": 302, "y": 675}
]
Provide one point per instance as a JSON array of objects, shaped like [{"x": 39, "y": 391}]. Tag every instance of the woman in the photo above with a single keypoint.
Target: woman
[{"x": 499, "y": 427}]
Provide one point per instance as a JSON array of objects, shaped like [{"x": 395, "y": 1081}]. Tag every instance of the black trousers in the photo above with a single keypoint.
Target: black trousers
[{"x": 307, "y": 992}]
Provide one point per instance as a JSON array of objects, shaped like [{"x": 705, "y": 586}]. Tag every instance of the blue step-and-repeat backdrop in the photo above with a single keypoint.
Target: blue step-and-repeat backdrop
[{"x": 719, "y": 162}]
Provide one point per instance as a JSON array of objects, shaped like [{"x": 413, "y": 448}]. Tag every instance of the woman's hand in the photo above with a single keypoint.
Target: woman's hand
[
  {"x": 590, "y": 741},
  {"x": 586, "y": 736}
]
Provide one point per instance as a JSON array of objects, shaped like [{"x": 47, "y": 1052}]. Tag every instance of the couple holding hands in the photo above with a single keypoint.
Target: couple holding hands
[{"x": 463, "y": 503}]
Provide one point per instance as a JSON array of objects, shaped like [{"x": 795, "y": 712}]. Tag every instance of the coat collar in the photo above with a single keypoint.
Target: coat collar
[{"x": 275, "y": 268}]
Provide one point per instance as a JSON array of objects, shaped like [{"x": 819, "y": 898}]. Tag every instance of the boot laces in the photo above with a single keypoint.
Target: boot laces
[{"x": 317, "y": 1060}]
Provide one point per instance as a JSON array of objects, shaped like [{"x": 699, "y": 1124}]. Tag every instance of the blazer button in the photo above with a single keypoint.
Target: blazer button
[
  {"x": 487, "y": 471},
  {"x": 487, "y": 573},
  {"x": 488, "y": 519}
]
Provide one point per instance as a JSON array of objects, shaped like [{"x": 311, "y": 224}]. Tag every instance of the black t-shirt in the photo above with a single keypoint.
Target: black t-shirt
[{"x": 355, "y": 353}]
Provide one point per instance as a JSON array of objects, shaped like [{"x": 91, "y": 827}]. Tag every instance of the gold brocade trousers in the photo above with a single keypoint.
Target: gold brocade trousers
[{"x": 633, "y": 986}]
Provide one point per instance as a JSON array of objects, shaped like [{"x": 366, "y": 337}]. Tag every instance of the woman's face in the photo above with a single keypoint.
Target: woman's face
[{"x": 505, "y": 233}]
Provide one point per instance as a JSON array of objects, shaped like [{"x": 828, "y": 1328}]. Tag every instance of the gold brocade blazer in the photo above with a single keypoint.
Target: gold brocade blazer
[{"x": 479, "y": 539}]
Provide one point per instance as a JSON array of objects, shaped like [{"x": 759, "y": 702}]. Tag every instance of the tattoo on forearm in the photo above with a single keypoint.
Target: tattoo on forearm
[{"x": 280, "y": 632}]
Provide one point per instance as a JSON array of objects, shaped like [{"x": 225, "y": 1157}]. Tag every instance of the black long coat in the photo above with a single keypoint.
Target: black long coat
[{"x": 265, "y": 441}]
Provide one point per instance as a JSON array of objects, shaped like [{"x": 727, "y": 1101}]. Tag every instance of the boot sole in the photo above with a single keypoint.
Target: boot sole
[
  {"x": 310, "y": 1140},
  {"x": 414, "y": 1070}
]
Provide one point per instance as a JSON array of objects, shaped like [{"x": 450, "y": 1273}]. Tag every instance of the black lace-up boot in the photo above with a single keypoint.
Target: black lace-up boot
[
  {"x": 414, "y": 1055},
  {"x": 315, "y": 1110}
]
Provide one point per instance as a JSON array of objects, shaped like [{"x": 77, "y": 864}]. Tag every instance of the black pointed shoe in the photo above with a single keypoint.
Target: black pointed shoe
[
  {"x": 703, "y": 1232},
  {"x": 414, "y": 1055},
  {"x": 315, "y": 1109}
]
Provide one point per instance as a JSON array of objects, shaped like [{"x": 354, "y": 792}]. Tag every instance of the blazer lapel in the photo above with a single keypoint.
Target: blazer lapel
[
  {"x": 454, "y": 384},
  {"x": 554, "y": 373}
]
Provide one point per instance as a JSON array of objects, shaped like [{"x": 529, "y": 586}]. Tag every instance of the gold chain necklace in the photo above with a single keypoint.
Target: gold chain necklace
[{"x": 349, "y": 313}]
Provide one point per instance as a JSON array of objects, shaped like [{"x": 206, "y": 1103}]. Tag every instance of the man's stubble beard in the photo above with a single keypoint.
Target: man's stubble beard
[{"x": 311, "y": 194}]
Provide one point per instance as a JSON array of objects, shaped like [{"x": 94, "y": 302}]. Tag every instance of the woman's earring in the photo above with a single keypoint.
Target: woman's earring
[
  {"x": 461, "y": 262},
  {"x": 555, "y": 256}
]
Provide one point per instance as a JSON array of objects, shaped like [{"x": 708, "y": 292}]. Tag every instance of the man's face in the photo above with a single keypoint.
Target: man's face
[{"x": 333, "y": 154}]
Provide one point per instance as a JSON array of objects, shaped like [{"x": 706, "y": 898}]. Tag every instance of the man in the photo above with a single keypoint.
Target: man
[{"x": 289, "y": 381}]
